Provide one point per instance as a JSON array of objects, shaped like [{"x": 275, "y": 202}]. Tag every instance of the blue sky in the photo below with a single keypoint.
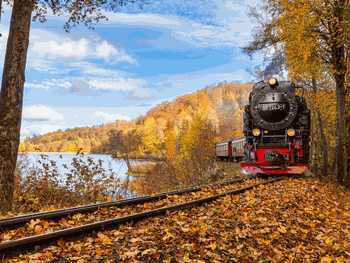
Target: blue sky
[{"x": 130, "y": 63}]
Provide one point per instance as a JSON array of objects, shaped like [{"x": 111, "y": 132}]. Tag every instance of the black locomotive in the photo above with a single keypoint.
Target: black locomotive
[{"x": 276, "y": 125}]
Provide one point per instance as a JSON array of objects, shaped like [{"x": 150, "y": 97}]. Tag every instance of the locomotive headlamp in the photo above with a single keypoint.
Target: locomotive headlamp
[
  {"x": 273, "y": 81},
  {"x": 291, "y": 132},
  {"x": 256, "y": 132}
]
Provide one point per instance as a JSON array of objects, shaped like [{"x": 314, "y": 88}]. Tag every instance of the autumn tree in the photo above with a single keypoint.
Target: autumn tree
[
  {"x": 312, "y": 35},
  {"x": 11, "y": 99},
  {"x": 123, "y": 143}
]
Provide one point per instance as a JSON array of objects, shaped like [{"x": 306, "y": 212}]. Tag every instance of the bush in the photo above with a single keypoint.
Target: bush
[{"x": 42, "y": 187}]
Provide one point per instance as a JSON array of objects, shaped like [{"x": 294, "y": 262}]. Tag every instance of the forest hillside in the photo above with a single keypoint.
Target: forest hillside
[{"x": 221, "y": 105}]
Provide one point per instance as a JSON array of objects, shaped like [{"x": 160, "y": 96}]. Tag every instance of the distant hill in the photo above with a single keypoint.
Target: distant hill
[{"x": 221, "y": 104}]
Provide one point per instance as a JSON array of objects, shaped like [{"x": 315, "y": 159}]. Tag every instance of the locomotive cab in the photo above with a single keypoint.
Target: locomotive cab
[{"x": 276, "y": 124}]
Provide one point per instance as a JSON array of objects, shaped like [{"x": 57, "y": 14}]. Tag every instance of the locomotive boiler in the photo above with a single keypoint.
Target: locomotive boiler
[{"x": 276, "y": 125}]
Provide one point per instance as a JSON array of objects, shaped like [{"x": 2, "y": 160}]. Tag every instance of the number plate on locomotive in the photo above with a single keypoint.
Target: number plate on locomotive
[{"x": 272, "y": 106}]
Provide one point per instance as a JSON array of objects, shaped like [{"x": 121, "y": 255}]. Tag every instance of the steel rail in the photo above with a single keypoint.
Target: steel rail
[
  {"x": 20, "y": 220},
  {"x": 23, "y": 244}
]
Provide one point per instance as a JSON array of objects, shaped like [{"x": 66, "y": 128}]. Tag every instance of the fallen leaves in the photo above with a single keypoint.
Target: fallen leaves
[
  {"x": 36, "y": 227},
  {"x": 285, "y": 223}
]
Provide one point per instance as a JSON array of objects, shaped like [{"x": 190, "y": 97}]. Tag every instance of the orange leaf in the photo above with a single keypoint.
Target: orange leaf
[{"x": 61, "y": 243}]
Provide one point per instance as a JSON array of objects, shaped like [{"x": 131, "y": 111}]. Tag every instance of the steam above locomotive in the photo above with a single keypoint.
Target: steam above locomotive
[{"x": 276, "y": 125}]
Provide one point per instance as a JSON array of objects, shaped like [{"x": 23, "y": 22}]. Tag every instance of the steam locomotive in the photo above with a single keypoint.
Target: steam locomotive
[{"x": 276, "y": 125}]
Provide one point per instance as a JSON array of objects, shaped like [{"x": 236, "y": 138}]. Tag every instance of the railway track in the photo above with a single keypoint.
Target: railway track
[{"x": 115, "y": 215}]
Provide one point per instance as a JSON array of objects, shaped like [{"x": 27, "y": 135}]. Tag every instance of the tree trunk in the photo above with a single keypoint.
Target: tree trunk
[
  {"x": 126, "y": 158},
  {"x": 341, "y": 116},
  {"x": 11, "y": 98},
  {"x": 314, "y": 167},
  {"x": 340, "y": 69},
  {"x": 340, "y": 142},
  {"x": 348, "y": 139},
  {"x": 321, "y": 129}
]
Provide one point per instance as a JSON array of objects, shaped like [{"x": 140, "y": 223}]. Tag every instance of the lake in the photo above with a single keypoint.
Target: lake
[{"x": 118, "y": 166}]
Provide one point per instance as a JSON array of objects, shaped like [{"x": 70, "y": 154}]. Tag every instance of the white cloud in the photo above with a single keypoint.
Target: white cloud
[
  {"x": 143, "y": 19},
  {"x": 114, "y": 83},
  {"x": 64, "y": 47},
  {"x": 40, "y": 113},
  {"x": 49, "y": 84},
  {"x": 76, "y": 49},
  {"x": 112, "y": 55},
  {"x": 109, "y": 117},
  {"x": 98, "y": 81}
]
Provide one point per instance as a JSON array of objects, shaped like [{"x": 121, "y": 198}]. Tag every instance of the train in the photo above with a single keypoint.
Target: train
[
  {"x": 276, "y": 128},
  {"x": 230, "y": 150}
]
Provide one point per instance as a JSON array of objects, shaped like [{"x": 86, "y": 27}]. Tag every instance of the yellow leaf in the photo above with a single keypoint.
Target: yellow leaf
[
  {"x": 212, "y": 246},
  {"x": 71, "y": 222},
  {"x": 282, "y": 229},
  {"x": 328, "y": 241},
  {"x": 252, "y": 201},
  {"x": 304, "y": 231},
  {"x": 325, "y": 259},
  {"x": 267, "y": 242},
  {"x": 37, "y": 229},
  {"x": 45, "y": 225},
  {"x": 107, "y": 241}
]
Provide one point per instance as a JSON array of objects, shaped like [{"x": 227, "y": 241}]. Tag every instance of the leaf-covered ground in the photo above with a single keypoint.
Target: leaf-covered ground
[
  {"x": 37, "y": 227},
  {"x": 294, "y": 220}
]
